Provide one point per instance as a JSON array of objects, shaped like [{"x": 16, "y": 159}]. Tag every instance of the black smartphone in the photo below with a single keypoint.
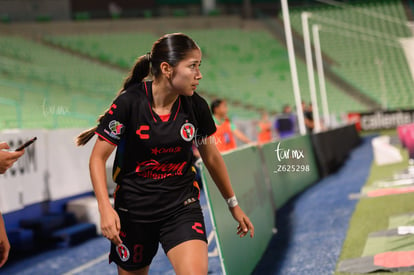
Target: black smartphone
[{"x": 27, "y": 143}]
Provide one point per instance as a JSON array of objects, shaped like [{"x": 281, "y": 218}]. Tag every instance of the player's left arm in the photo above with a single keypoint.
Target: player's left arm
[{"x": 214, "y": 162}]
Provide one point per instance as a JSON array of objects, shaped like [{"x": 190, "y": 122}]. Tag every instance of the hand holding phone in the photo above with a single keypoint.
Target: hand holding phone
[{"x": 27, "y": 143}]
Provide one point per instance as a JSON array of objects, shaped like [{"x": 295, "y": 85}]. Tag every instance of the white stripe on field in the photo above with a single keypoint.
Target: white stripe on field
[
  {"x": 87, "y": 265},
  {"x": 211, "y": 236}
]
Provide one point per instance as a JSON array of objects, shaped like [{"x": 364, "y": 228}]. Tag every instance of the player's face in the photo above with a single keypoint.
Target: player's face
[
  {"x": 222, "y": 109},
  {"x": 187, "y": 74}
]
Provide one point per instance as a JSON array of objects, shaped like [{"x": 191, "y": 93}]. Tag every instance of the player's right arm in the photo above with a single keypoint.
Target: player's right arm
[{"x": 110, "y": 223}]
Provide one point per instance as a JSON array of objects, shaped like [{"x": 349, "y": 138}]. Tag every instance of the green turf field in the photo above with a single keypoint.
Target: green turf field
[{"x": 372, "y": 214}]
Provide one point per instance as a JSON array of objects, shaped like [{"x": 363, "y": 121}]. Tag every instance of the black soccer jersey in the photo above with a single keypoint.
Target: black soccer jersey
[{"x": 153, "y": 162}]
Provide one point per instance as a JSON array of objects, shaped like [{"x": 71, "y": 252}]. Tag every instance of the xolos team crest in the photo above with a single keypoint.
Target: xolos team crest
[
  {"x": 187, "y": 131},
  {"x": 123, "y": 252}
]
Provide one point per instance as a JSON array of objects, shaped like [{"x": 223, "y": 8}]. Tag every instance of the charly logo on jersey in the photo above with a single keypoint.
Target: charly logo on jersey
[
  {"x": 116, "y": 128},
  {"x": 187, "y": 131},
  {"x": 143, "y": 132},
  {"x": 162, "y": 150},
  {"x": 123, "y": 252}
]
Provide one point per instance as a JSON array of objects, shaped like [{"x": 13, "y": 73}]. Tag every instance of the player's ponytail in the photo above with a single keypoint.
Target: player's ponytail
[
  {"x": 170, "y": 48},
  {"x": 140, "y": 70},
  {"x": 85, "y": 136}
]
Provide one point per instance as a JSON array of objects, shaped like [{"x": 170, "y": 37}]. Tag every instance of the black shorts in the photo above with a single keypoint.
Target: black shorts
[{"x": 140, "y": 240}]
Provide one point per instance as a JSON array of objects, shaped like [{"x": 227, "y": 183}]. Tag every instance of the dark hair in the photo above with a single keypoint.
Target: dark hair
[
  {"x": 171, "y": 48},
  {"x": 215, "y": 104}
]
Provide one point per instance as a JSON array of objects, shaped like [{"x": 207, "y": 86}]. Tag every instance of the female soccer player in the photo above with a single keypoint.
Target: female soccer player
[{"x": 154, "y": 124}]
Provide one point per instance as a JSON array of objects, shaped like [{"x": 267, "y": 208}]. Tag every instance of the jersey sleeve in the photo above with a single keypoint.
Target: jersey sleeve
[
  {"x": 206, "y": 125},
  {"x": 113, "y": 124}
]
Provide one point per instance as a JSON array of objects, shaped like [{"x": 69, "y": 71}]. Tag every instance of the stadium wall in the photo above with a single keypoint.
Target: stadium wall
[
  {"x": 381, "y": 119},
  {"x": 156, "y": 25},
  {"x": 52, "y": 168},
  {"x": 264, "y": 179},
  {"x": 245, "y": 169},
  {"x": 292, "y": 167},
  {"x": 332, "y": 147},
  {"x": 34, "y": 10}
]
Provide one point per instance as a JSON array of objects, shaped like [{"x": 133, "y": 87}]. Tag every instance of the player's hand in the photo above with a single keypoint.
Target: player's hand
[
  {"x": 111, "y": 225},
  {"x": 4, "y": 249},
  {"x": 7, "y": 158},
  {"x": 245, "y": 224}
]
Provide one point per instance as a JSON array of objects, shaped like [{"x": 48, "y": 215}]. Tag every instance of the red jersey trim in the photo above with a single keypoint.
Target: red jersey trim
[
  {"x": 149, "y": 103},
  {"x": 178, "y": 109},
  {"x": 165, "y": 118},
  {"x": 104, "y": 138},
  {"x": 152, "y": 114}
]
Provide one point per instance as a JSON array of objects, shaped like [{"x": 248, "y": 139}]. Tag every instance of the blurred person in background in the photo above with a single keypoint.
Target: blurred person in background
[
  {"x": 308, "y": 117},
  {"x": 7, "y": 159},
  {"x": 285, "y": 123},
  {"x": 264, "y": 129},
  {"x": 226, "y": 130}
]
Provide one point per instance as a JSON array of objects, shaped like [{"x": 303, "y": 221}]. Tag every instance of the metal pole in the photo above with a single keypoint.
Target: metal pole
[
  {"x": 309, "y": 64},
  {"x": 247, "y": 9},
  {"x": 380, "y": 68},
  {"x": 321, "y": 74},
  {"x": 293, "y": 70},
  {"x": 208, "y": 6}
]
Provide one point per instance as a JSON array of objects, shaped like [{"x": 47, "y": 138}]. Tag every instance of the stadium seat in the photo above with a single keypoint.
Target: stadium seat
[
  {"x": 238, "y": 65},
  {"x": 74, "y": 234},
  {"x": 358, "y": 54}
]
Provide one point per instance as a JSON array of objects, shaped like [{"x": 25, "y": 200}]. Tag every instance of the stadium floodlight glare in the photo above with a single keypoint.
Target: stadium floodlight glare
[
  {"x": 292, "y": 63},
  {"x": 321, "y": 74},
  {"x": 309, "y": 64}
]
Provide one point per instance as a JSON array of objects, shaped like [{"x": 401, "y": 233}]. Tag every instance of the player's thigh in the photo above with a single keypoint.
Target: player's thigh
[
  {"x": 183, "y": 238},
  {"x": 190, "y": 257}
]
